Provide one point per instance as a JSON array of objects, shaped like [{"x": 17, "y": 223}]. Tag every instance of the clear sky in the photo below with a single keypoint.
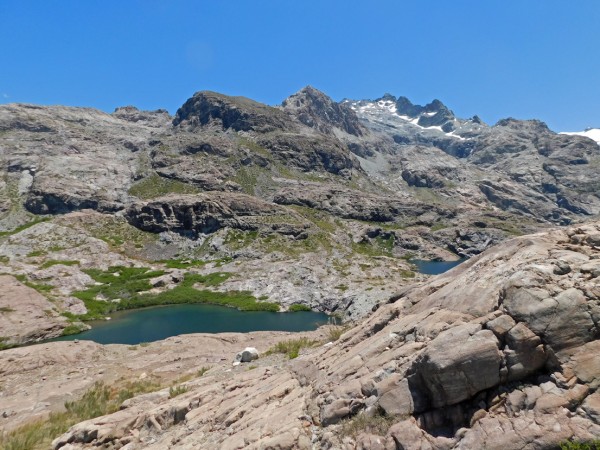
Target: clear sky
[{"x": 495, "y": 58}]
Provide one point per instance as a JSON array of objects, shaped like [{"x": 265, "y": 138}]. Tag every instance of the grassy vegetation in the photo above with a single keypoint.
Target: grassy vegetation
[
  {"x": 71, "y": 329},
  {"x": 98, "y": 401},
  {"x": 297, "y": 307},
  {"x": 292, "y": 347},
  {"x": 40, "y": 287},
  {"x": 4, "y": 345},
  {"x": 5, "y": 309},
  {"x": 24, "y": 226},
  {"x": 377, "y": 424},
  {"x": 156, "y": 186},
  {"x": 174, "y": 391},
  {"x": 202, "y": 370},
  {"x": 183, "y": 263},
  {"x": 438, "y": 226},
  {"x": 379, "y": 246},
  {"x": 572, "y": 445},
  {"x": 36, "y": 253},
  {"x": 54, "y": 262},
  {"x": 121, "y": 288},
  {"x": 247, "y": 178},
  {"x": 334, "y": 332},
  {"x": 407, "y": 274}
]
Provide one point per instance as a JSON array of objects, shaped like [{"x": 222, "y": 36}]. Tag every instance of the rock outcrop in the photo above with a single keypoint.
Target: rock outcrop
[{"x": 25, "y": 314}]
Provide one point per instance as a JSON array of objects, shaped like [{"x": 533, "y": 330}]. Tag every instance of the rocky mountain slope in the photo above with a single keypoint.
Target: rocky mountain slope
[
  {"x": 499, "y": 353},
  {"x": 312, "y": 202}
]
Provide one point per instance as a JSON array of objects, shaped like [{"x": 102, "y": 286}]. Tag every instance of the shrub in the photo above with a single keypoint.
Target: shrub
[
  {"x": 292, "y": 347},
  {"x": 298, "y": 307}
]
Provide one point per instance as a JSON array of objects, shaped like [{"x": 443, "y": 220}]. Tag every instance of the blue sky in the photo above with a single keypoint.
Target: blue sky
[{"x": 495, "y": 58}]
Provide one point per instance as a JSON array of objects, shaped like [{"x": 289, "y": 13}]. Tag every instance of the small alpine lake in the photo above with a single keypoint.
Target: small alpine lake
[
  {"x": 434, "y": 267},
  {"x": 156, "y": 323}
]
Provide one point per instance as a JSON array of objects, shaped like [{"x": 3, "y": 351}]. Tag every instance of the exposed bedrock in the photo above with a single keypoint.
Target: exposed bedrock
[
  {"x": 501, "y": 352},
  {"x": 207, "y": 213}
]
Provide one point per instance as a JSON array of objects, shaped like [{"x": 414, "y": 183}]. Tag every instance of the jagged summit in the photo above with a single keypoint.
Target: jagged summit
[{"x": 317, "y": 110}]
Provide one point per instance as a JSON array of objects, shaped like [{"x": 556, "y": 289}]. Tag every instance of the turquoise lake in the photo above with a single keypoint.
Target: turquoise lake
[
  {"x": 156, "y": 323},
  {"x": 434, "y": 267},
  {"x": 152, "y": 324}
]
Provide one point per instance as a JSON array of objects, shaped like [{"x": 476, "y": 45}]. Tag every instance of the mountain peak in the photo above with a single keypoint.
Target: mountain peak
[{"x": 317, "y": 110}]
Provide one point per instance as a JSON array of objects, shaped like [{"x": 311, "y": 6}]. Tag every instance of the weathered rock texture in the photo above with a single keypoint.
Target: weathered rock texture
[
  {"x": 500, "y": 352},
  {"x": 25, "y": 314}
]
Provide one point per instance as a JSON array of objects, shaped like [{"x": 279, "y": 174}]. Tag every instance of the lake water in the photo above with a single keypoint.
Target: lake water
[
  {"x": 153, "y": 324},
  {"x": 434, "y": 267}
]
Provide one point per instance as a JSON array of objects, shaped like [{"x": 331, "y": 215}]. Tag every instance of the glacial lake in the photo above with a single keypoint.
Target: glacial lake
[
  {"x": 156, "y": 323},
  {"x": 435, "y": 267}
]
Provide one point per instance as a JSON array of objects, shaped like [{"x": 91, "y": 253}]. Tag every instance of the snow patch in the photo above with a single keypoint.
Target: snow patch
[{"x": 592, "y": 133}]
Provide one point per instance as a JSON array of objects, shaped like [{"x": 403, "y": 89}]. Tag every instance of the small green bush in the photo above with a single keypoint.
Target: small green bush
[
  {"x": 54, "y": 262},
  {"x": 298, "y": 307}
]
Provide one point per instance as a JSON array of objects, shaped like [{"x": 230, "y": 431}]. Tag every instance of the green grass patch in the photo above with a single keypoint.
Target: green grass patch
[
  {"x": 24, "y": 226},
  {"x": 4, "y": 345},
  {"x": 297, "y": 308},
  {"x": 122, "y": 288},
  {"x": 36, "y": 253},
  {"x": 342, "y": 287},
  {"x": 335, "y": 331},
  {"x": 183, "y": 263},
  {"x": 98, "y": 401},
  {"x": 55, "y": 262},
  {"x": 71, "y": 329},
  {"x": 572, "y": 445},
  {"x": 40, "y": 287},
  {"x": 174, "y": 391},
  {"x": 438, "y": 226},
  {"x": 407, "y": 274},
  {"x": 156, "y": 186},
  {"x": 378, "y": 246},
  {"x": 292, "y": 347},
  {"x": 5, "y": 309}
]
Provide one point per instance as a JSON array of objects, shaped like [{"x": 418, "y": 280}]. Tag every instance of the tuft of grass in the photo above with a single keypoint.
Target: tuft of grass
[
  {"x": 298, "y": 307},
  {"x": 182, "y": 263},
  {"x": 174, "y": 391},
  {"x": 377, "y": 424},
  {"x": 54, "y": 262},
  {"x": 4, "y": 345},
  {"x": 5, "y": 309},
  {"x": 36, "y": 253},
  {"x": 202, "y": 370},
  {"x": 40, "y": 287},
  {"x": 24, "y": 226},
  {"x": 292, "y": 347},
  {"x": 407, "y": 274},
  {"x": 71, "y": 329},
  {"x": 335, "y": 332}
]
